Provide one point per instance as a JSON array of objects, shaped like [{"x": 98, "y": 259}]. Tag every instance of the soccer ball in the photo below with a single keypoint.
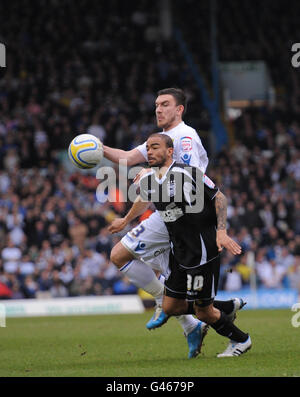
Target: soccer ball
[{"x": 85, "y": 151}]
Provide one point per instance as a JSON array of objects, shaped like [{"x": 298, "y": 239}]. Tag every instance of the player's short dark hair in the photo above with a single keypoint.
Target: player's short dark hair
[
  {"x": 178, "y": 94},
  {"x": 168, "y": 141}
]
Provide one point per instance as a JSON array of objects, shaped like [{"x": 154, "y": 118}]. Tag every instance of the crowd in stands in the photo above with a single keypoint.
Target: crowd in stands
[
  {"x": 260, "y": 176},
  {"x": 96, "y": 67}
]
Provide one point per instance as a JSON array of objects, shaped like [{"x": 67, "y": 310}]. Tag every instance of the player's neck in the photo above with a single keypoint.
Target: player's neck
[
  {"x": 173, "y": 125},
  {"x": 164, "y": 169}
]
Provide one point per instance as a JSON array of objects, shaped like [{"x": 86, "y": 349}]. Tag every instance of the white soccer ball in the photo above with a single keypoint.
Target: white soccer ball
[{"x": 85, "y": 151}]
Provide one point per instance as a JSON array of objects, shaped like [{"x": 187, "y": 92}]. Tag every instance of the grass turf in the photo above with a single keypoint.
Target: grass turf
[{"x": 120, "y": 346}]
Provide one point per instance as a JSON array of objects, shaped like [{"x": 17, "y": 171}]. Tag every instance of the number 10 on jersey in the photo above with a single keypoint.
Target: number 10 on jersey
[{"x": 194, "y": 283}]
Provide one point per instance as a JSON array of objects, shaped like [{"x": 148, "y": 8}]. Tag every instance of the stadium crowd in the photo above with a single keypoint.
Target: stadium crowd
[{"x": 53, "y": 230}]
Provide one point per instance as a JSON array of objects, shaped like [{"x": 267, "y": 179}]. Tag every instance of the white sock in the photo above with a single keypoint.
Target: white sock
[
  {"x": 142, "y": 276},
  {"x": 188, "y": 322}
]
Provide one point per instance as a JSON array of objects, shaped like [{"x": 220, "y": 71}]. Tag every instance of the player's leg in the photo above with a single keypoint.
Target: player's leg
[
  {"x": 146, "y": 242},
  {"x": 149, "y": 242},
  {"x": 230, "y": 307},
  {"x": 142, "y": 276},
  {"x": 138, "y": 272},
  {"x": 240, "y": 342},
  {"x": 174, "y": 303},
  {"x": 202, "y": 285}
]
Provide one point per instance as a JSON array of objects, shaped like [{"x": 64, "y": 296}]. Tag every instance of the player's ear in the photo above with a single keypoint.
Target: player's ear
[
  {"x": 180, "y": 109},
  {"x": 170, "y": 151}
]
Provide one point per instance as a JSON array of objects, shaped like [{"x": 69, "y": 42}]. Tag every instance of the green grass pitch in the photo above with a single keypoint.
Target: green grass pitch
[{"x": 121, "y": 346}]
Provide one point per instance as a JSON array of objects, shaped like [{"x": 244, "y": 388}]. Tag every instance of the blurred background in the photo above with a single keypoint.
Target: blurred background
[{"x": 96, "y": 66}]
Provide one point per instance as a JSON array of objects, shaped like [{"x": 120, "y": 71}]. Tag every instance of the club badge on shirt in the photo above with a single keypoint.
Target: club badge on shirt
[{"x": 171, "y": 186}]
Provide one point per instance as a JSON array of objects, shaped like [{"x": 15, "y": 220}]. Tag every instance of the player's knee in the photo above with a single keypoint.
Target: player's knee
[
  {"x": 205, "y": 313},
  {"x": 168, "y": 310},
  {"x": 119, "y": 255},
  {"x": 115, "y": 257},
  {"x": 172, "y": 307},
  {"x": 167, "y": 307}
]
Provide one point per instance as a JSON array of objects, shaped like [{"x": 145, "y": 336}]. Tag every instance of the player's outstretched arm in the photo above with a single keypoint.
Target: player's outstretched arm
[
  {"x": 133, "y": 156},
  {"x": 137, "y": 209},
  {"x": 223, "y": 240}
]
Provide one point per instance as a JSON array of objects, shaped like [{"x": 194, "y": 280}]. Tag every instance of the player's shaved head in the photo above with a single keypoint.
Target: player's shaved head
[
  {"x": 159, "y": 150},
  {"x": 165, "y": 138}
]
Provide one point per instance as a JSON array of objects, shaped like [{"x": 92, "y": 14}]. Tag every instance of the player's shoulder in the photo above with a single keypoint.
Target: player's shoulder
[
  {"x": 147, "y": 175},
  {"x": 184, "y": 169},
  {"x": 187, "y": 130}
]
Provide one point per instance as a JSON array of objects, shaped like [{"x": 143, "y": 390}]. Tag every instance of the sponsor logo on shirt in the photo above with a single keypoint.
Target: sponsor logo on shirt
[
  {"x": 140, "y": 247},
  {"x": 186, "y": 158},
  {"x": 186, "y": 143},
  {"x": 171, "y": 215},
  {"x": 158, "y": 252}
]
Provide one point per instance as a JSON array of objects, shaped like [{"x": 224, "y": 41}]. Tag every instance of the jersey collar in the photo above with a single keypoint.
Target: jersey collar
[
  {"x": 160, "y": 181},
  {"x": 174, "y": 129}
]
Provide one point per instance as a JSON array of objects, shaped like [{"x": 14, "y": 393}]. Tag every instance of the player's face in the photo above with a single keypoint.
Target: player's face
[
  {"x": 167, "y": 112},
  {"x": 158, "y": 153}
]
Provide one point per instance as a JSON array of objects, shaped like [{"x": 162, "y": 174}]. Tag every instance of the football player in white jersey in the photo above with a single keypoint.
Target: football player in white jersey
[{"x": 146, "y": 247}]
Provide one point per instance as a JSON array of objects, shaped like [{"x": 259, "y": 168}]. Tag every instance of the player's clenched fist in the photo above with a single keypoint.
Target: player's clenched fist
[{"x": 117, "y": 225}]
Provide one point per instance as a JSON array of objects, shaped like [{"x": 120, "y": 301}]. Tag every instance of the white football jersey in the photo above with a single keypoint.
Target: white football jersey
[{"x": 188, "y": 148}]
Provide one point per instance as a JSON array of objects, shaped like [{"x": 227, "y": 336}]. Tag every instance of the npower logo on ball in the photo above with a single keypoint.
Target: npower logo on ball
[{"x": 2, "y": 56}]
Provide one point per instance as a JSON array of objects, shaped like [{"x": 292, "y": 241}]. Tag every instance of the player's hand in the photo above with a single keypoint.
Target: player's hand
[
  {"x": 224, "y": 241},
  {"x": 138, "y": 176},
  {"x": 117, "y": 225}
]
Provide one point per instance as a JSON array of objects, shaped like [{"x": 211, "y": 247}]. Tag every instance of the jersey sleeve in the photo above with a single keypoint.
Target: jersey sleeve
[
  {"x": 142, "y": 148},
  {"x": 210, "y": 189}
]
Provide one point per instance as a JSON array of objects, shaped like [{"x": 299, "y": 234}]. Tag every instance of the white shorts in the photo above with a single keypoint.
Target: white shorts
[{"x": 150, "y": 243}]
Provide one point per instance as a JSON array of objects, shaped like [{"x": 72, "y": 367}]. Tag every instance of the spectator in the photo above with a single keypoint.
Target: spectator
[
  {"x": 244, "y": 270},
  {"x": 96, "y": 128},
  {"x": 285, "y": 258},
  {"x": 11, "y": 256},
  {"x": 26, "y": 266},
  {"x": 44, "y": 281},
  {"x": 5, "y": 292},
  {"x": 269, "y": 273},
  {"x": 233, "y": 280},
  {"x": 30, "y": 287},
  {"x": 92, "y": 263},
  {"x": 294, "y": 272},
  {"x": 124, "y": 287},
  {"x": 104, "y": 242},
  {"x": 78, "y": 232},
  {"x": 58, "y": 290},
  {"x": 251, "y": 217}
]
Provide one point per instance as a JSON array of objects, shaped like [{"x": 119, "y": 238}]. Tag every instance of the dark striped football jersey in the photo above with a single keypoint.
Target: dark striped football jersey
[{"x": 184, "y": 197}]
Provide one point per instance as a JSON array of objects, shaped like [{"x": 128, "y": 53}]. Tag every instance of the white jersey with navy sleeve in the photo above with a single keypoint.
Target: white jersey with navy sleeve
[{"x": 188, "y": 148}]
